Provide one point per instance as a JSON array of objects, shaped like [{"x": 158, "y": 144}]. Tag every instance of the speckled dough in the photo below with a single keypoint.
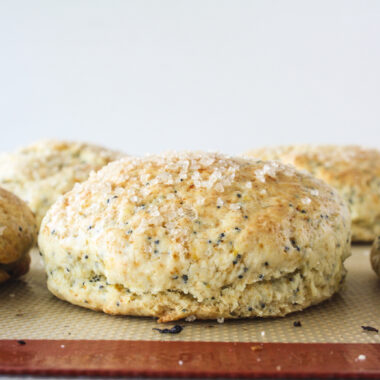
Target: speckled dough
[
  {"x": 197, "y": 235},
  {"x": 354, "y": 171},
  {"x": 18, "y": 233},
  {"x": 375, "y": 256},
  {"x": 41, "y": 172}
]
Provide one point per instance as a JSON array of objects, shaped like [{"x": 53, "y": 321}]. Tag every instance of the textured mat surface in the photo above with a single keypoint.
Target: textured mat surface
[{"x": 29, "y": 311}]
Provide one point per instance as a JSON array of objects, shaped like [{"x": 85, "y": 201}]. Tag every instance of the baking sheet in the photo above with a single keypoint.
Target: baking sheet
[{"x": 29, "y": 311}]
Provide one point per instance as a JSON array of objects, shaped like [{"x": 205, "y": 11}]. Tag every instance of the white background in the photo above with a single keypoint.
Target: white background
[{"x": 148, "y": 76}]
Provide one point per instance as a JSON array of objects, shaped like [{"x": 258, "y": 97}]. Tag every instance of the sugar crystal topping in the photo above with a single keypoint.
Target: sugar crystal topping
[
  {"x": 167, "y": 188},
  {"x": 270, "y": 169}
]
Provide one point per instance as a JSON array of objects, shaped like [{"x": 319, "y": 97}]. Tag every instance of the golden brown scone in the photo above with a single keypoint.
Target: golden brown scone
[
  {"x": 375, "y": 256},
  {"x": 17, "y": 235},
  {"x": 198, "y": 235},
  {"x": 354, "y": 171},
  {"x": 41, "y": 172}
]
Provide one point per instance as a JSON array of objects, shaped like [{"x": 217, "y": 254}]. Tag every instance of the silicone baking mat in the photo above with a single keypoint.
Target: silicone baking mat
[
  {"x": 54, "y": 329},
  {"x": 29, "y": 311}
]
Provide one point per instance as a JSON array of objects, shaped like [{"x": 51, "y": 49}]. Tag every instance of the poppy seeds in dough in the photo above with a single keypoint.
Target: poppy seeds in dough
[{"x": 196, "y": 235}]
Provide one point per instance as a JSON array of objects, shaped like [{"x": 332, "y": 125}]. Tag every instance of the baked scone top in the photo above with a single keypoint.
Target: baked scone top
[
  {"x": 353, "y": 170},
  {"x": 39, "y": 173},
  {"x": 342, "y": 164},
  {"x": 18, "y": 229},
  {"x": 195, "y": 223}
]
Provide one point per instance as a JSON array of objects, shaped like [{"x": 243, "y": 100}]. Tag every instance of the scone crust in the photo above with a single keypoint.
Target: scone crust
[
  {"x": 41, "y": 172},
  {"x": 353, "y": 170},
  {"x": 18, "y": 233},
  {"x": 375, "y": 256},
  {"x": 196, "y": 234}
]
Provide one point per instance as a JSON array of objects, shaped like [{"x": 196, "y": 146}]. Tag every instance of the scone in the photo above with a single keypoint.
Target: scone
[
  {"x": 18, "y": 233},
  {"x": 375, "y": 256},
  {"x": 197, "y": 235},
  {"x": 41, "y": 172},
  {"x": 354, "y": 171}
]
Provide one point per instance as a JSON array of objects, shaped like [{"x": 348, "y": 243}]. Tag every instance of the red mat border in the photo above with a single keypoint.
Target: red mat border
[{"x": 188, "y": 359}]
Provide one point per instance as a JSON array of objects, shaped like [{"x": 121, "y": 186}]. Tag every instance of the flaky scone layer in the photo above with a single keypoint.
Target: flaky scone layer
[
  {"x": 353, "y": 170},
  {"x": 196, "y": 234},
  {"x": 41, "y": 172}
]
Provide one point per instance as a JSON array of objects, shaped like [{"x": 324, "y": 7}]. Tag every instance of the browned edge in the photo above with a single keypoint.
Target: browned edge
[{"x": 188, "y": 359}]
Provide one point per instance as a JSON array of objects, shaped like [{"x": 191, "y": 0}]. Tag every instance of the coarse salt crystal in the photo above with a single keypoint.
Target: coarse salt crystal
[
  {"x": 184, "y": 164},
  {"x": 262, "y": 333},
  {"x": 260, "y": 175},
  {"x": 314, "y": 192},
  {"x": 219, "y": 202},
  {"x": 144, "y": 178},
  {"x": 180, "y": 362},
  {"x": 220, "y": 320},
  {"x": 166, "y": 178},
  {"x": 248, "y": 185},
  {"x": 196, "y": 175},
  {"x": 219, "y": 188},
  {"x": 200, "y": 201},
  {"x": 262, "y": 191},
  {"x": 306, "y": 201},
  {"x": 267, "y": 169},
  {"x": 217, "y": 174},
  {"x": 134, "y": 199},
  {"x": 191, "y": 318},
  {"x": 235, "y": 206},
  {"x": 207, "y": 161},
  {"x": 155, "y": 212},
  {"x": 145, "y": 191},
  {"x": 362, "y": 357}
]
